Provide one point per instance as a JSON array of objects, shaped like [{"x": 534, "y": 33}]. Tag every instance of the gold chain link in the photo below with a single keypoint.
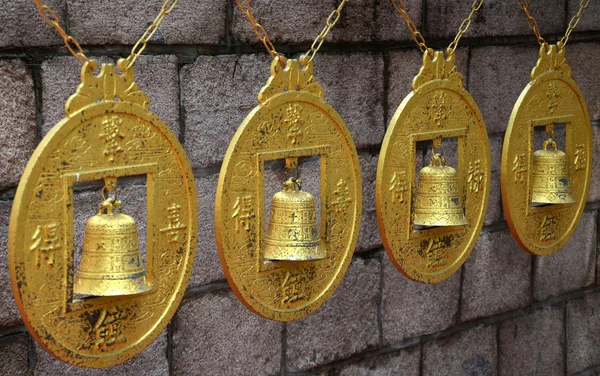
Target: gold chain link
[
  {"x": 259, "y": 30},
  {"x": 418, "y": 37},
  {"x": 524, "y": 5},
  {"x": 75, "y": 49}
]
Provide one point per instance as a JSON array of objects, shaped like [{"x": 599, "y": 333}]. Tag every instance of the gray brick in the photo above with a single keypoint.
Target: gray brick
[
  {"x": 9, "y": 314},
  {"x": 17, "y": 121},
  {"x": 15, "y": 355},
  {"x": 594, "y": 192},
  {"x": 156, "y": 75},
  {"x": 590, "y": 19},
  {"x": 216, "y": 101},
  {"x": 404, "y": 66},
  {"x": 473, "y": 352},
  {"x": 495, "y": 18},
  {"x": 368, "y": 237},
  {"x": 533, "y": 344},
  {"x": 301, "y": 21},
  {"x": 151, "y": 362},
  {"x": 582, "y": 58},
  {"x": 358, "y": 98},
  {"x": 390, "y": 25},
  {"x": 215, "y": 335},
  {"x": 403, "y": 363},
  {"x": 411, "y": 309},
  {"x": 109, "y": 22},
  {"x": 572, "y": 267},
  {"x": 496, "y": 278},
  {"x": 583, "y": 333},
  {"x": 494, "y": 212},
  {"x": 345, "y": 325},
  {"x": 498, "y": 75},
  {"x": 207, "y": 267},
  {"x": 21, "y": 24}
]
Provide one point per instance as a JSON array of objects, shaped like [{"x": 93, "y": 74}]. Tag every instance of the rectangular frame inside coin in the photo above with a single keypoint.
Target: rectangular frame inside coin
[{"x": 69, "y": 179}]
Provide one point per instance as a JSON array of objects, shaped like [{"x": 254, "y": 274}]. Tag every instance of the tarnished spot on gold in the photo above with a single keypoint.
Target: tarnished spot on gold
[
  {"x": 558, "y": 178},
  {"x": 108, "y": 134},
  {"x": 292, "y": 121}
]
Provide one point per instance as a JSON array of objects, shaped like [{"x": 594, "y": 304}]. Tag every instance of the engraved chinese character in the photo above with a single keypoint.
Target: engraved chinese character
[
  {"x": 111, "y": 133},
  {"x": 293, "y": 287},
  {"x": 342, "y": 197},
  {"x": 434, "y": 253},
  {"x": 476, "y": 175},
  {"x": 398, "y": 187},
  {"x": 45, "y": 243},
  {"x": 548, "y": 228},
  {"x": 175, "y": 226},
  {"x": 243, "y": 212},
  {"x": 440, "y": 108},
  {"x": 580, "y": 157},
  {"x": 519, "y": 167},
  {"x": 294, "y": 123},
  {"x": 109, "y": 328},
  {"x": 552, "y": 96}
]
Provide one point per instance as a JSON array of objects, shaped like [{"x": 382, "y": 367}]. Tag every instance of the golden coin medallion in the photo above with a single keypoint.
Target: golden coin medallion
[
  {"x": 438, "y": 107},
  {"x": 108, "y": 132},
  {"x": 291, "y": 121},
  {"x": 551, "y": 98}
]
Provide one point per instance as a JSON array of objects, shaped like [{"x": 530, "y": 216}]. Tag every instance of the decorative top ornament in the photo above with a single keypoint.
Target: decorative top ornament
[
  {"x": 552, "y": 58},
  {"x": 437, "y": 68},
  {"x": 107, "y": 86},
  {"x": 289, "y": 78}
]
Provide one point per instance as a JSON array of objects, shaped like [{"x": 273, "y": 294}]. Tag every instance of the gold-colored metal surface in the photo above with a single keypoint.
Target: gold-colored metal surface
[
  {"x": 292, "y": 121},
  {"x": 75, "y": 49},
  {"x": 111, "y": 262},
  {"x": 261, "y": 33},
  {"x": 293, "y": 232},
  {"x": 552, "y": 97},
  {"x": 108, "y": 133},
  {"x": 550, "y": 178},
  {"x": 438, "y": 107},
  {"x": 437, "y": 202}
]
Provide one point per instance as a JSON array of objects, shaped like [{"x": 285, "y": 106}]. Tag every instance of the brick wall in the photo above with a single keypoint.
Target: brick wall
[{"x": 505, "y": 312}]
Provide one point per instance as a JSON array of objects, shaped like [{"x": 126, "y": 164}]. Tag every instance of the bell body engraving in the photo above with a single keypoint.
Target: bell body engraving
[
  {"x": 550, "y": 183},
  {"x": 293, "y": 232},
  {"x": 111, "y": 263},
  {"x": 437, "y": 202}
]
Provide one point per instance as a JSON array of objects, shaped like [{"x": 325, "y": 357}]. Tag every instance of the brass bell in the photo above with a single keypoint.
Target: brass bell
[
  {"x": 293, "y": 234},
  {"x": 437, "y": 202},
  {"x": 111, "y": 263},
  {"x": 550, "y": 184}
]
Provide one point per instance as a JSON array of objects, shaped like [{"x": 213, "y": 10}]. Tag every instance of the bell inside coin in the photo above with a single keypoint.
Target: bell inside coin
[
  {"x": 111, "y": 263},
  {"x": 550, "y": 183},
  {"x": 293, "y": 233},
  {"x": 437, "y": 202}
]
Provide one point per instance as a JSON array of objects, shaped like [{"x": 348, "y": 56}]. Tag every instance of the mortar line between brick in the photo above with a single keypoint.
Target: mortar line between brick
[
  {"x": 566, "y": 18},
  {"x": 31, "y": 357},
  {"x": 283, "y": 367},
  {"x": 380, "y": 301},
  {"x": 182, "y": 112},
  {"x": 469, "y": 57},
  {"x": 228, "y": 21},
  {"x": 36, "y": 75},
  {"x": 424, "y": 18},
  {"x": 565, "y": 346},
  {"x": 460, "y": 295},
  {"x": 421, "y": 356},
  {"x": 386, "y": 89},
  {"x": 532, "y": 279}
]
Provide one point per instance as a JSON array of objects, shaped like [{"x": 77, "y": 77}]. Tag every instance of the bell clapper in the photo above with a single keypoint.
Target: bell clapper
[
  {"x": 293, "y": 233},
  {"x": 111, "y": 262}
]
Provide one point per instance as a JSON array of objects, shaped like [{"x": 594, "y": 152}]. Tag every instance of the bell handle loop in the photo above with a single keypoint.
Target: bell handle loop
[
  {"x": 549, "y": 142},
  {"x": 291, "y": 184},
  {"x": 437, "y": 158},
  {"x": 109, "y": 204}
]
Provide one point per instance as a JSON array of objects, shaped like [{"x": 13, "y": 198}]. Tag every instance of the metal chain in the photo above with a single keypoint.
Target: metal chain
[
  {"x": 418, "y": 37},
  {"x": 259, "y": 30},
  {"x": 524, "y": 5},
  {"x": 464, "y": 26},
  {"x": 75, "y": 49},
  {"x": 331, "y": 21}
]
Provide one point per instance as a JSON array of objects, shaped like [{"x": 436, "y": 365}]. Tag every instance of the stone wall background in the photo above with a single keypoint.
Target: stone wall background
[{"x": 504, "y": 313}]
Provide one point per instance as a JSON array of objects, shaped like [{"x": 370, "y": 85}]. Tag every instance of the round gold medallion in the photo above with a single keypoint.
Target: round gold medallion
[
  {"x": 108, "y": 132},
  {"x": 438, "y": 107},
  {"x": 292, "y": 121},
  {"x": 532, "y": 174}
]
